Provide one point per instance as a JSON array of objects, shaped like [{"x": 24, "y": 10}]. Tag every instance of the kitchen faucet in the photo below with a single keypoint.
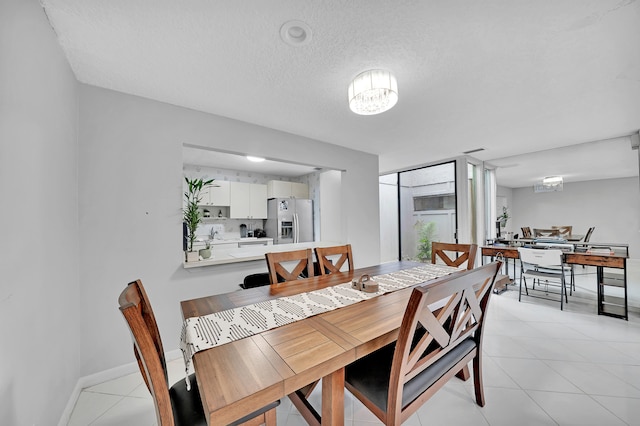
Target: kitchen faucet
[{"x": 212, "y": 234}]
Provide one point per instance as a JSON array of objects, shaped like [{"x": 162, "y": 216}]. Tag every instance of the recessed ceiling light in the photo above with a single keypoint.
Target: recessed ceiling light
[
  {"x": 255, "y": 159},
  {"x": 295, "y": 33}
]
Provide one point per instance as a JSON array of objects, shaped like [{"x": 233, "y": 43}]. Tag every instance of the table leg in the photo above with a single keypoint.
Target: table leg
[{"x": 333, "y": 398}]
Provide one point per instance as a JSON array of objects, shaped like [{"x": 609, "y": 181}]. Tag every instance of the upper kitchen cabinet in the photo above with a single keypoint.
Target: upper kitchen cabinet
[
  {"x": 282, "y": 189},
  {"x": 299, "y": 190},
  {"x": 217, "y": 195},
  {"x": 248, "y": 201}
]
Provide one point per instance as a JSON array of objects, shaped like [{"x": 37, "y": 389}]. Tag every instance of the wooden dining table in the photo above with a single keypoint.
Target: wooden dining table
[{"x": 238, "y": 377}]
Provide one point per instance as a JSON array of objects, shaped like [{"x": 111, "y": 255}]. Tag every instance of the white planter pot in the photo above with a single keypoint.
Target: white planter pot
[{"x": 193, "y": 256}]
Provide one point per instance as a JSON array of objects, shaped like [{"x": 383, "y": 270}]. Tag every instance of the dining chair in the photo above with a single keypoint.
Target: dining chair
[
  {"x": 537, "y": 232},
  {"x": 526, "y": 232},
  {"x": 328, "y": 264},
  {"x": 587, "y": 236},
  {"x": 174, "y": 405},
  {"x": 394, "y": 381},
  {"x": 547, "y": 268},
  {"x": 563, "y": 231},
  {"x": 278, "y": 273},
  {"x": 454, "y": 254}
]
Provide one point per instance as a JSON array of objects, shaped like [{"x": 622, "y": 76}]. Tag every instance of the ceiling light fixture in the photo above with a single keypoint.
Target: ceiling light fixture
[
  {"x": 552, "y": 180},
  {"x": 373, "y": 92},
  {"x": 549, "y": 184},
  {"x": 255, "y": 159}
]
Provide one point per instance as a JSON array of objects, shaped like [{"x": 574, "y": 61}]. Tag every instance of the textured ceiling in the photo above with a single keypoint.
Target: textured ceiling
[{"x": 508, "y": 76}]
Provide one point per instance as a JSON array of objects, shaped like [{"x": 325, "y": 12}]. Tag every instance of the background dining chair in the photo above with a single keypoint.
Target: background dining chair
[
  {"x": 394, "y": 381},
  {"x": 546, "y": 267},
  {"x": 587, "y": 236},
  {"x": 526, "y": 232},
  {"x": 454, "y": 254},
  {"x": 174, "y": 405},
  {"x": 563, "y": 231},
  {"x": 327, "y": 262},
  {"x": 538, "y": 232},
  {"x": 278, "y": 273}
]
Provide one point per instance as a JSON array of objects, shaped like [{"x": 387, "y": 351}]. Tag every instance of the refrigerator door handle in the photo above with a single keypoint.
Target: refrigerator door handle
[{"x": 296, "y": 228}]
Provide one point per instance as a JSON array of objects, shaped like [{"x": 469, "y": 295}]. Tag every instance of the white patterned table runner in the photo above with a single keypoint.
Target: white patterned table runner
[{"x": 204, "y": 332}]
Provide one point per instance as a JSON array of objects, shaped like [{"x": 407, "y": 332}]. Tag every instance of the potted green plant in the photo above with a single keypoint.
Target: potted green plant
[
  {"x": 504, "y": 216},
  {"x": 191, "y": 212},
  {"x": 426, "y": 232}
]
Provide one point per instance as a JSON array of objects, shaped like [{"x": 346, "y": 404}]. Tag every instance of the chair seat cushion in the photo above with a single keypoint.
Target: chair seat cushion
[
  {"x": 256, "y": 280},
  {"x": 370, "y": 374},
  {"x": 187, "y": 406}
]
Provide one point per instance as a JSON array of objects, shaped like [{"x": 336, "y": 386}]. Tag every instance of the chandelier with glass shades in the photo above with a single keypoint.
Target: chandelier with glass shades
[{"x": 373, "y": 92}]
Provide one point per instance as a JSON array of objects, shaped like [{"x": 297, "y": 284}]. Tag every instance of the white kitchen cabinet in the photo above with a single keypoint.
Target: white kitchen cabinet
[
  {"x": 248, "y": 201},
  {"x": 218, "y": 195},
  {"x": 278, "y": 189},
  {"x": 283, "y": 189},
  {"x": 299, "y": 190}
]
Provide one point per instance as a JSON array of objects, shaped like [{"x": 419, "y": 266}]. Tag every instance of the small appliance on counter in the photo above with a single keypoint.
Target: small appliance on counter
[
  {"x": 259, "y": 233},
  {"x": 243, "y": 230}
]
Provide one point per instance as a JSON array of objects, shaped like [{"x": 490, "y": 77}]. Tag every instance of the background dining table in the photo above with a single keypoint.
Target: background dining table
[{"x": 239, "y": 376}]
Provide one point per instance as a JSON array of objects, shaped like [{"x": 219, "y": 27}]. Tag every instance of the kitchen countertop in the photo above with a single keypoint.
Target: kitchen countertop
[
  {"x": 249, "y": 253},
  {"x": 240, "y": 240}
]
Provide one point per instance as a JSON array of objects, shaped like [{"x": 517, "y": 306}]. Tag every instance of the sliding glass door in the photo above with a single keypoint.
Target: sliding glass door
[
  {"x": 423, "y": 211},
  {"x": 427, "y": 199}
]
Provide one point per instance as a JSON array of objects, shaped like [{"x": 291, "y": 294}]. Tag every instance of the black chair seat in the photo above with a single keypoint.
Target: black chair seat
[
  {"x": 370, "y": 375},
  {"x": 256, "y": 280},
  {"x": 187, "y": 406}
]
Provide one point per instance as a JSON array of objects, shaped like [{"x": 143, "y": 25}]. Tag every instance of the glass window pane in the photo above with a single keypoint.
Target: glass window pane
[{"x": 427, "y": 209}]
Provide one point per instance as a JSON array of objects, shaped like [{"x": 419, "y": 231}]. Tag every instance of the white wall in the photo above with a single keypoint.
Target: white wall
[
  {"x": 389, "y": 218},
  {"x": 329, "y": 208},
  {"x": 39, "y": 287},
  {"x": 130, "y": 198}
]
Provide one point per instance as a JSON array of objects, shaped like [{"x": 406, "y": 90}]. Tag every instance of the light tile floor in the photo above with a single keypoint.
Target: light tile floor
[{"x": 542, "y": 366}]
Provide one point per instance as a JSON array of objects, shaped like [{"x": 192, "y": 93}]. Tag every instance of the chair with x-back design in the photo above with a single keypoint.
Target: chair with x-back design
[
  {"x": 454, "y": 254},
  {"x": 325, "y": 255},
  {"x": 432, "y": 347},
  {"x": 278, "y": 273}
]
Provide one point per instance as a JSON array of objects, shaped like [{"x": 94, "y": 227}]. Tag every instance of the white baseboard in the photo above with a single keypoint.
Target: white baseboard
[{"x": 101, "y": 377}]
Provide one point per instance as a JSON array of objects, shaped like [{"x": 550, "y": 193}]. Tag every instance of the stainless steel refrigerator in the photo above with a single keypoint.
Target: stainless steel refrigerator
[{"x": 289, "y": 220}]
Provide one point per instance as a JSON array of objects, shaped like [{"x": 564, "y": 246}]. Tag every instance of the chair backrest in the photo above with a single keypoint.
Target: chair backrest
[
  {"x": 147, "y": 347},
  {"x": 425, "y": 337},
  {"x": 563, "y": 231},
  {"x": 588, "y": 234},
  {"x": 326, "y": 266},
  {"x": 279, "y": 273},
  {"x": 537, "y": 232},
  {"x": 454, "y": 254},
  {"x": 540, "y": 257},
  {"x": 526, "y": 232}
]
